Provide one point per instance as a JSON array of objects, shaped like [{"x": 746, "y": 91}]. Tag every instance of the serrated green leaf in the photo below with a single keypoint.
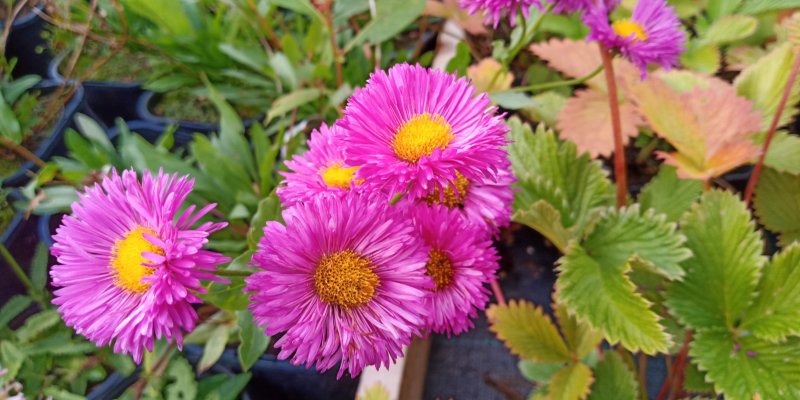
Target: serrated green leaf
[
  {"x": 703, "y": 58},
  {"x": 570, "y": 383},
  {"x": 545, "y": 219},
  {"x": 722, "y": 275},
  {"x": 528, "y": 332},
  {"x": 741, "y": 368},
  {"x": 784, "y": 153},
  {"x": 670, "y": 195},
  {"x": 214, "y": 347},
  {"x": 777, "y": 204},
  {"x": 580, "y": 337},
  {"x": 775, "y": 314},
  {"x": 695, "y": 380},
  {"x": 613, "y": 379},
  {"x": 37, "y": 324},
  {"x": 11, "y": 357},
  {"x": 12, "y": 308},
  {"x": 537, "y": 372},
  {"x": 730, "y": 28},
  {"x": 552, "y": 171},
  {"x": 253, "y": 341},
  {"x": 614, "y": 307},
  {"x": 183, "y": 384},
  {"x": 763, "y": 83}
]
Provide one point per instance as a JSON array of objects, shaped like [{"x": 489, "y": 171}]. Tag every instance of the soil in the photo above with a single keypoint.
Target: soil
[
  {"x": 186, "y": 106},
  {"x": 10, "y": 161}
]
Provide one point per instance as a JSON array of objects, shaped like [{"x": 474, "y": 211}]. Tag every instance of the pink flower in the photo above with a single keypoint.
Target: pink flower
[
  {"x": 495, "y": 10},
  {"x": 652, "y": 35},
  {"x": 345, "y": 281},
  {"x": 460, "y": 261},
  {"x": 320, "y": 170},
  {"x": 127, "y": 270},
  {"x": 412, "y": 128}
]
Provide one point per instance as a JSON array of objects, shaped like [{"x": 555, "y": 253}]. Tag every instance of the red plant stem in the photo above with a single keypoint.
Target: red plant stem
[
  {"x": 498, "y": 293},
  {"x": 677, "y": 373},
  {"x": 620, "y": 175},
  {"x": 787, "y": 91}
]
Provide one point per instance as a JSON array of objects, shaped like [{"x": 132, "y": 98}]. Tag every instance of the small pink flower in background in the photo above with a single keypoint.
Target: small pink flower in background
[
  {"x": 652, "y": 35},
  {"x": 495, "y": 10},
  {"x": 127, "y": 270},
  {"x": 570, "y": 6},
  {"x": 320, "y": 170},
  {"x": 461, "y": 261},
  {"x": 344, "y": 279},
  {"x": 412, "y": 129}
]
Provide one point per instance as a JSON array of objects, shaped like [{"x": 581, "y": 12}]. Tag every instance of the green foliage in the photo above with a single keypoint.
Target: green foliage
[
  {"x": 528, "y": 332},
  {"x": 17, "y": 103},
  {"x": 613, "y": 379},
  {"x": 667, "y": 194},
  {"x": 571, "y": 382},
  {"x": 253, "y": 341},
  {"x": 548, "y": 170},
  {"x": 775, "y": 313},
  {"x": 763, "y": 83},
  {"x": 777, "y": 204}
]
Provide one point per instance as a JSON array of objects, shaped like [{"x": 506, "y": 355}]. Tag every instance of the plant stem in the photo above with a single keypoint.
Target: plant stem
[
  {"x": 158, "y": 370},
  {"x": 528, "y": 35},
  {"x": 22, "y": 151},
  {"x": 620, "y": 175},
  {"x": 642, "y": 358},
  {"x": 337, "y": 53},
  {"x": 23, "y": 277},
  {"x": 787, "y": 91},
  {"x": 676, "y": 374},
  {"x": 498, "y": 293},
  {"x": 553, "y": 85}
]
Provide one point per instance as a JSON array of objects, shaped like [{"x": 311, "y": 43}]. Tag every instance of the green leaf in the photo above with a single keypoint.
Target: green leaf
[
  {"x": 762, "y": 6},
  {"x": 777, "y": 204},
  {"x": 512, "y": 100},
  {"x": 222, "y": 386},
  {"x": 763, "y": 83},
  {"x": 9, "y": 125},
  {"x": 391, "y": 17},
  {"x": 292, "y": 101},
  {"x": 580, "y": 337},
  {"x": 60, "y": 394},
  {"x": 722, "y": 276},
  {"x": 775, "y": 314},
  {"x": 269, "y": 209},
  {"x": 537, "y": 372},
  {"x": 11, "y": 358},
  {"x": 528, "y": 332},
  {"x": 571, "y": 382},
  {"x": 550, "y": 170},
  {"x": 92, "y": 130},
  {"x": 545, "y": 219},
  {"x": 783, "y": 153},
  {"x": 700, "y": 57},
  {"x": 214, "y": 347},
  {"x": 253, "y": 341},
  {"x": 548, "y": 106},
  {"x": 460, "y": 61},
  {"x": 730, "y": 28},
  {"x": 670, "y": 195},
  {"x": 37, "y": 324},
  {"x": 39, "y": 267},
  {"x": 615, "y": 308},
  {"x": 183, "y": 384},
  {"x": 741, "y": 368},
  {"x": 12, "y": 308},
  {"x": 613, "y": 379}
]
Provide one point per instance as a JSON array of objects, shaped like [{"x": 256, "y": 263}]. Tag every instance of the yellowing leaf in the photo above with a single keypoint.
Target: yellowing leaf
[
  {"x": 573, "y": 58},
  {"x": 570, "y": 383},
  {"x": 488, "y": 76},
  {"x": 528, "y": 332},
  {"x": 581, "y": 338},
  {"x": 763, "y": 83},
  {"x": 586, "y": 120},
  {"x": 708, "y": 127}
]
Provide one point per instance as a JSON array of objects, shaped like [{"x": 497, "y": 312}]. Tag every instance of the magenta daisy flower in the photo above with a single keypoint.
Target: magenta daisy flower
[
  {"x": 495, "y": 10},
  {"x": 652, "y": 35},
  {"x": 484, "y": 203},
  {"x": 129, "y": 264},
  {"x": 570, "y": 6},
  {"x": 461, "y": 262},
  {"x": 321, "y": 169},
  {"x": 344, "y": 279},
  {"x": 413, "y": 128}
]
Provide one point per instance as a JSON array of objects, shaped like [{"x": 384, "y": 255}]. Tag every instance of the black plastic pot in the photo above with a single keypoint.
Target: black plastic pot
[
  {"x": 25, "y": 42},
  {"x": 107, "y": 100},
  {"x": 148, "y": 98},
  {"x": 54, "y": 143}
]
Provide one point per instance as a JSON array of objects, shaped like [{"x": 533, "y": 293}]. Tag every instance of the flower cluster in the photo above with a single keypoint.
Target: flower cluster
[{"x": 388, "y": 226}]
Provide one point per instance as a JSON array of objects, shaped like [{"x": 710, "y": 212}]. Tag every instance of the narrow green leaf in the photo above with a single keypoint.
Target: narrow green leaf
[
  {"x": 11, "y": 357},
  {"x": 722, "y": 276},
  {"x": 214, "y": 347},
  {"x": 777, "y": 204},
  {"x": 269, "y": 209},
  {"x": 39, "y": 267},
  {"x": 745, "y": 366},
  {"x": 253, "y": 341},
  {"x": 92, "y": 130},
  {"x": 528, "y": 332},
  {"x": 292, "y": 101},
  {"x": 613, "y": 379},
  {"x": 12, "y": 308},
  {"x": 9, "y": 125},
  {"x": 37, "y": 324},
  {"x": 670, "y": 195},
  {"x": 775, "y": 315},
  {"x": 571, "y": 382},
  {"x": 391, "y": 17}
]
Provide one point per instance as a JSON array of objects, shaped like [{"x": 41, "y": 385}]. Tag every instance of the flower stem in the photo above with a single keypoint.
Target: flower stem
[
  {"x": 620, "y": 175},
  {"x": 677, "y": 372},
  {"x": 498, "y": 293},
  {"x": 553, "y": 85},
  {"x": 787, "y": 91}
]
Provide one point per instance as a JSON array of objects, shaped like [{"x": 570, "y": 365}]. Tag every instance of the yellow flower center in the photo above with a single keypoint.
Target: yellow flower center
[
  {"x": 338, "y": 176},
  {"x": 345, "y": 279},
  {"x": 626, "y": 28},
  {"x": 454, "y": 195},
  {"x": 439, "y": 268},
  {"x": 420, "y": 136},
  {"x": 128, "y": 263}
]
